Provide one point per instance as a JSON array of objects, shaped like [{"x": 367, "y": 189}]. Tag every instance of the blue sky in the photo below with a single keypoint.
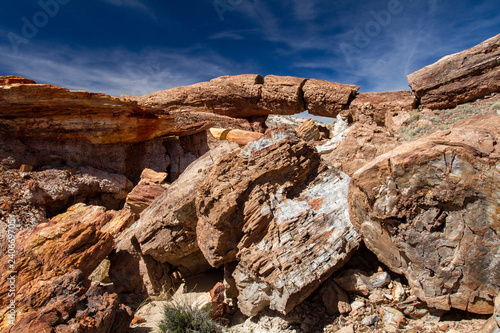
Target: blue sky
[{"x": 140, "y": 46}]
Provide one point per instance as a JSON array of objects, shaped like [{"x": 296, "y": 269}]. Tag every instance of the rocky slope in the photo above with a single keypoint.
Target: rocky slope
[{"x": 136, "y": 194}]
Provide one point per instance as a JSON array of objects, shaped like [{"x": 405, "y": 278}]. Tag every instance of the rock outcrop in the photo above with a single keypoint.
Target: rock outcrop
[
  {"x": 76, "y": 240},
  {"x": 252, "y": 95},
  {"x": 381, "y": 107},
  {"x": 429, "y": 210},
  {"x": 459, "y": 77},
  {"x": 361, "y": 145},
  {"x": 167, "y": 228},
  {"x": 50, "y": 112},
  {"x": 280, "y": 213}
]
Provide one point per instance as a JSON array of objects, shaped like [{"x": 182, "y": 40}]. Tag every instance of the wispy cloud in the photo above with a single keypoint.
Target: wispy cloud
[
  {"x": 116, "y": 71},
  {"x": 133, "y": 4},
  {"x": 234, "y": 35}
]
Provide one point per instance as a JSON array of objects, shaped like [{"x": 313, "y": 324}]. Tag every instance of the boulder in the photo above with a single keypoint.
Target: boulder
[
  {"x": 167, "y": 228},
  {"x": 459, "y": 77},
  {"x": 281, "y": 213},
  {"x": 429, "y": 210},
  {"x": 308, "y": 131},
  {"x": 69, "y": 304},
  {"x": 362, "y": 143},
  {"x": 77, "y": 240},
  {"x": 380, "y": 107},
  {"x": 327, "y": 99},
  {"x": 58, "y": 189},
  {"x": 149, "y": 188}
]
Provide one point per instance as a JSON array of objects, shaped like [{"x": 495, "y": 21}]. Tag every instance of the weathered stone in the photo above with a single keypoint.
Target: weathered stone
[
  {"x": 142, "y": 196},
  {"x": 355, "y": 281},
  {"x": 327, "y": 99},
  {"x": 429, "y": 210},
  {"x": 135, "y": 273},
  {"x": 380, "y": 107},
  {"x": 50, "y": 112},
  {"x": 167, "y": 229},
  {"x": 237, "y": 136},
  {"x": 252, "y": 95},
  {"x": 334, "y": 298},
  {"x": 67, "y": 304},
  {"x": 308, "y": 130},
  {"x": 459, "y": 77},
  {"x": 151, "y": 177},
  {"x": 78, "y": 239},
  {"x": 14, "y": 79},
  {"x": 361, "y": 145},
  {"x": 392, "y": 319},
  {"x": 279, "y": 211},
  {"x": 58, "y": 189},
  {"x": 380, "y": 279}
]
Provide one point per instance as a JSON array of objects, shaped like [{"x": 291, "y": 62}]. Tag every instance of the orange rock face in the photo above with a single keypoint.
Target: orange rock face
[
  {"x": 76, "y": 240},
  {"x": 459, "y": 77},
  {"x": 50, "y": 112}
]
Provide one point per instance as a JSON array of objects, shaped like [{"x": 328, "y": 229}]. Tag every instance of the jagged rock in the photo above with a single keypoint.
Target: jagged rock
[
  {"x": 334, "y": 298},
  {"x": 69, "y": 304},
  {"x": 361, "y": 145},
  {"x": 380, "y": 279},
  {"x": 58, "y": 189},
  {"x": 252, "y": 95},
  {"x": 429, "y": 210},
  {"x": 308, "y": 131},
  {"x": 78, "y": 239},
  {"x": 149, "y": 188},
  {"x": 167, "y": 229},
  {"x": 355, "y": 281},
  {"x": 238, "y": 136},
  {"x": 279, "y": 211},
  {"x": 132, "y": 272},
  {"x": 380, "y": 107},
  {"x": 14, "y": 79},
  {"x": 392, "y": 319},
  {"x": 327, "y": 99},
  {"x": 51, "y": 112},
  {"x": 459, "y": 77}
]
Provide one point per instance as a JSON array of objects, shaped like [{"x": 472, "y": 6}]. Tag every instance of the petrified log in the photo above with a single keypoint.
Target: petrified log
[
  {"x": 459, "y": 77},
  {"x": 238, "y": 136},
  {"x": 281, "y": 213},
  {"x": 429, "y": 210},
  {"x": 167, "y": 229}
]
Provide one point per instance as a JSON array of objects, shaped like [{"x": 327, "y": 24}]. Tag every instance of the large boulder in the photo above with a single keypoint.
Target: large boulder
[
  {"x": 429, "y": 209},
  {"x": 459, "y": 77},
  {"x": 76, "y": 240},
  {"x": 167, "y": 228},
  {"x": 278, "y": 211}
]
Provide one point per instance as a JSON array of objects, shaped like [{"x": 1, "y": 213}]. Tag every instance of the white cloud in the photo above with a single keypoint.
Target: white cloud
[{"x": 116, "y": 71}]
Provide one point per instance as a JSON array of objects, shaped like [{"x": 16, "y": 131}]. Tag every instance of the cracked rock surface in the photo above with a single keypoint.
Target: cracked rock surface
[{"x": 429, "y": 209}]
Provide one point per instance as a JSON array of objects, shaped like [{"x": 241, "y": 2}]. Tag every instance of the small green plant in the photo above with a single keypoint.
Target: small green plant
[{"x": 178, "y": 318}]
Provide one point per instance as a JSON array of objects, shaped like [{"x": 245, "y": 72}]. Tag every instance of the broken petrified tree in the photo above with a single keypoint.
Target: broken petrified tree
[
  {"x": 459, "y": 77},
  {"x": 76, "y": 240},
  {"x": 281, "y": 213},
  {"x": 251, "y": 95},
  {"x": 429, "y": 210},
  {"x": 167, "y": 229}
]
